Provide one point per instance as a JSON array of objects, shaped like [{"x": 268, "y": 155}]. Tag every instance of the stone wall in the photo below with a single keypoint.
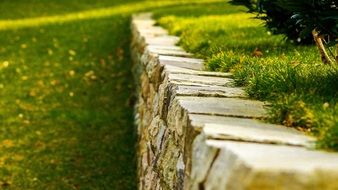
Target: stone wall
[{"x": 197, "y": 131}]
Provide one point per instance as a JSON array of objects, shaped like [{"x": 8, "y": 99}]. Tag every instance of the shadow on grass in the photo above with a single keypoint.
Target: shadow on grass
[
  {"x": 66, "y": 118},
  {"x": 196, "y": 10}
]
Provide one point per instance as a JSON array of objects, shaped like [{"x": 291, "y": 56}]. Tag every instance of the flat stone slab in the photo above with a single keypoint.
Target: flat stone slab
[
  {"x": 152, "y": 30},
  {"x": 249, "y": 130},
  {"x": 206, "y": 80},
  {"x": 179, "y": 70},
  {"x": 210, "y": 91},
  {"x": 183, "y": 62},
  {"x": 233, "y": 107},
  {"x": 166, "y": 47},
  {"x": 143, "y": 24},
  {"x": 169, "y": 52},
  {"x": 240, "y": 165},
  {"x": 258, "y": 133},
  {"x": 161, "y": 40}
]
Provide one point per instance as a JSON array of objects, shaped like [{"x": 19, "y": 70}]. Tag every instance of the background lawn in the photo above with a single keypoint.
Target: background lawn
[
  {"x": 302, "y": 90},
  {"x": 66, "y": 93},
  {"x": 65, "y": 109},
  {"x": 66, "y": 88}
]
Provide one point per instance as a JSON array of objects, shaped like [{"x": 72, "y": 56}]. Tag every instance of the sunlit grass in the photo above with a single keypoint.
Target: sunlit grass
[
  {"x": 66, "y": 94},
  {"x": 96, "y": 13},
  {"x": 302, "y": 90}
]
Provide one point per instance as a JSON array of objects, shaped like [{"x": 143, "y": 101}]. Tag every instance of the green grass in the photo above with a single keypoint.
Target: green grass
[
  {"x": 66, "y": 113},
  {"x": 65, "y": 117},
  {"x": 66, "y": 88},
  {"x": 303, "y": 92}
]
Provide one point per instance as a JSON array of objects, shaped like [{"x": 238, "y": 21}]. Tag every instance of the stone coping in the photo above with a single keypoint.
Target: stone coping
[{"x": 198, "y": 131}]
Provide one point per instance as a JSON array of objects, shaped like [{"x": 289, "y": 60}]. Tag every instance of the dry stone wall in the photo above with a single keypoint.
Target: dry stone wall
[{"x": 197, "y": 131}]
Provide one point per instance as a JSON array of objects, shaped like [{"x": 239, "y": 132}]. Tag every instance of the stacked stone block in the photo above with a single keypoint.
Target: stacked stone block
[{"x": 197, "y": 131}]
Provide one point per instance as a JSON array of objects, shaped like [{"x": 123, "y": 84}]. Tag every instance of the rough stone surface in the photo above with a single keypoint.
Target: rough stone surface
[
  {"x": 233, "y": 107},
  {"x": 180, "y": 70},
  {"x": 248, "y": 130},
  {"x": 204, "y": 80},
  {"x": 184, "y": 62},
  {"x": 261, "y": 166},
  {"x": 197, "y": 131},
  {"x": 210, "y": 91},
  {"x": 164, "y": 50}
]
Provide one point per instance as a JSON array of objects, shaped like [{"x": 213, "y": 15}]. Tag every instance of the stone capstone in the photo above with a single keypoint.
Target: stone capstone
[{"x": 196, "y": 130}]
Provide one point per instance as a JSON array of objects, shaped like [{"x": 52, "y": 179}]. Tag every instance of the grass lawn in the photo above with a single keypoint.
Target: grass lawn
[
  {"x": 66, "y": 88},
  {"x": 303, "y": 92},
  {"x": 66, "y": 93},
  {"x": 65, "y": 117}
]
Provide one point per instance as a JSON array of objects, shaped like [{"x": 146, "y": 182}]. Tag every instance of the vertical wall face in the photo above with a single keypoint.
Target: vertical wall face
[{"x": 197, "y": 131}]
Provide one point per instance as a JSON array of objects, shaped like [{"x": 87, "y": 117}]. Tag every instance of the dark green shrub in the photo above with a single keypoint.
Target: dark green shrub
[
  {"x": 301, "y": 21},
  {"x": 277, "y": 19},
  {"x": 319, "y": 18}
]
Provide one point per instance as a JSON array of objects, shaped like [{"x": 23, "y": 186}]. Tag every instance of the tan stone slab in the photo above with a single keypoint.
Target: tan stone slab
[
  {"x": 256, "y": 132},
  {"x": 240, "y": 165},
  {"x": 210, "y": 91},
  {"x": 249, "y": 130},
  {"x": 183, "y": 62},
  {"x": 164, "y": 47},
  {"x": 142, "y": 16},
  {"x": 207, "y": 80},
  {"x": 233, "y": 107},
  {"x": 180, "y": 70},
  {"x": 152, "y": 30},
  {"x": 169, "y": 52},
  {"x": 143, "y": 24},
  {"x": 161, "y": 40}
]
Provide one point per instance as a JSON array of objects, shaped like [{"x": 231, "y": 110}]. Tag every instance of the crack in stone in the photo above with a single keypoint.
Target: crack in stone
[
  {"x": 234, "y": 139},
  {"x": 231, "y": 115},
  {"x": 202, "y": 183},
  {"x": 226, "y": 84},
  {"x": 215, "y": 95}
]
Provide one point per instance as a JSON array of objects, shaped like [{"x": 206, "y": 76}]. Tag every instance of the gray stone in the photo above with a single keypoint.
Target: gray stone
[
  {"x": 169, "y": 52},
  {"x": 184, "y": 62},
  {"x": 206, "y": 80},
  {"x": 180, "y": 70},
  {"x": 161, "y": 40},
  {"x": 195, "y": 131},
  {"x": 242, "y": 165},
  {"x": 257, "y": 132},
  {"x": 248, "y": 130},
  {"x": 210, "y": 91},
  {"x": 202, "y": 158},
  {"x": 142, "y": 17},
  {"x": 165, "y": 47},
  {"x": 152, "y": 31},
  {"x": 233, "y": 107}
]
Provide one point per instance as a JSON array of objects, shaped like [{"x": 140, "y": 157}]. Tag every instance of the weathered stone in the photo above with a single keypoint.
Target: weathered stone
[
  {"x": 161, "y": 40},
  {"x": 211, "y": 142},
  {"x": 204, "y": 80},
  {"x": 166, "y": 47},
  {"x": 202, "y": 159},
  {"x": 153, "y": 30},
  {"x": 180, "y": 70},
  {"x": 142, "y": 17},
  {"x": 145, "y": 85},
  {"x": 258, "y": 132},
  {"x": 261, "y": 166},
  {"x": 223, "y": 106},
  {"x": 184, "y": 62},
  {"x": 169, "y": 52},
  {"x": 210, "y": 91},
  {"x": 249, "y": 130},
  {"x": 143, "y": 24}
]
